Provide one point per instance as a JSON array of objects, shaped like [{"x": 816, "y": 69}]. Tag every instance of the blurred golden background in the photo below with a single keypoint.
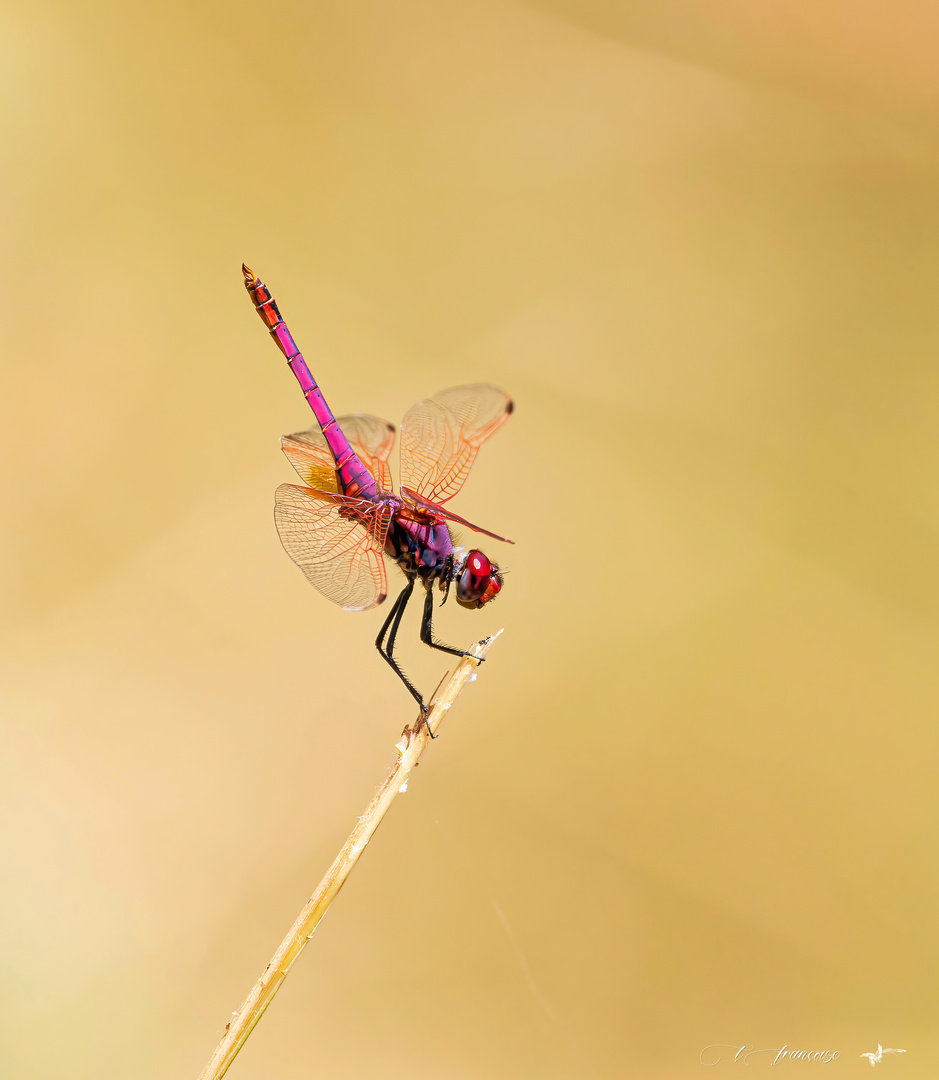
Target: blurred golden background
[{"x": 692, "y": 797}]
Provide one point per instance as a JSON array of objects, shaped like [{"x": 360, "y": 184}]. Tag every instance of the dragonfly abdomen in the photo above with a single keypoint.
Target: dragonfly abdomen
[{"x": 354, "y": 478}]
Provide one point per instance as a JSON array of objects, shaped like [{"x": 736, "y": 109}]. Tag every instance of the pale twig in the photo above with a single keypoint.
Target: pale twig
[{"x": 412, "y": 744}]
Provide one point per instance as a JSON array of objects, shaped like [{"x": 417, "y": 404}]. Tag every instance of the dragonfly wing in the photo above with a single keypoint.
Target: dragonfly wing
[
  {"x": 448, "y": 515},
  {"x": 342, "y": 556},
  {"x": 441, "y": 436},
  {"x": 370, "y": 437},
  {"x": 309, "y": 453}
]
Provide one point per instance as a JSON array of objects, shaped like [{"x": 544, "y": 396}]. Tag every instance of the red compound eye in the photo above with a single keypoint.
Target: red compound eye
[
  {"x": 478, "y": 565},
  {"x": 478, "y": 582}
]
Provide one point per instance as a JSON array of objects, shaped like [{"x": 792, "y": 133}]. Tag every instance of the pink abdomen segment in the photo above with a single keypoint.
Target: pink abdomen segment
[{"x": 354, "y": 478}]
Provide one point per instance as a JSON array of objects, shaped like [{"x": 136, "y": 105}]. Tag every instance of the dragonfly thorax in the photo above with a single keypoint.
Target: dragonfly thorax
[{"x": 421, "y": 545}]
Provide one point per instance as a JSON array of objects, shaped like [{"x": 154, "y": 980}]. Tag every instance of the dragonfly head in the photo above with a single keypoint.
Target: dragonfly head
[{"x": 477, "y": 580}]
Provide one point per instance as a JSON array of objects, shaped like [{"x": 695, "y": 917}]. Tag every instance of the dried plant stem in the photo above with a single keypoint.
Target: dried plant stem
[{"x": 412, "y": 744}]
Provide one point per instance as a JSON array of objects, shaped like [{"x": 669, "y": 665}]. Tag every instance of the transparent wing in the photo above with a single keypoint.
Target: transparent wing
[
  {"x": 337, "y": 542},
  {"x": 441, "y": 436},
  {"x": 371, "y": 438}
]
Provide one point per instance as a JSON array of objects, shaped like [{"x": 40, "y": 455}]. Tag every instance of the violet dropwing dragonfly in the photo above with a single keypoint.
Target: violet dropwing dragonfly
[{"x": 340, "y": 527}]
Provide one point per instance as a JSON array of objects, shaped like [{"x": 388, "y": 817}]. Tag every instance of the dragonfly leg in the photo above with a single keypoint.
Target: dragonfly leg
[
  {"x": 387, "y": 650},
  {"x": 427, "y": 634},
  {"x": 447, "y": 577}
]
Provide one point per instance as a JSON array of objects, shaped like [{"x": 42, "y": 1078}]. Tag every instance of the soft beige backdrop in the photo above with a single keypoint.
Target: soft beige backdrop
[{"x": 692, "y": 798}]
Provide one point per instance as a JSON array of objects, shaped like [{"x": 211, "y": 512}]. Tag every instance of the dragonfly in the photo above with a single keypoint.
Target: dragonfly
[{"x": 346, "y": 519}]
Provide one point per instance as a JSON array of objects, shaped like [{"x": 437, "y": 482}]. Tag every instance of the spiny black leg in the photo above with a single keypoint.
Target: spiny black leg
[
  {"x": 427, "y": 635},
  {"x": 403, "y": 601},
  {"x": 394, "y": 621},
  {"x": 387, "y": 622},
  {"x": 447, "y": 577}
]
